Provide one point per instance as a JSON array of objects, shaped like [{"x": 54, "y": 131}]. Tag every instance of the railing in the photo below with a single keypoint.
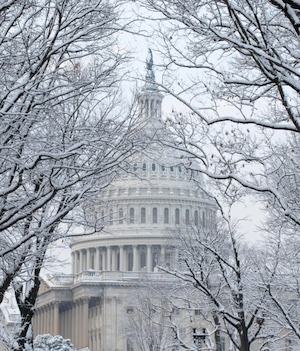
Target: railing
[{"x": 105, "y": 276}]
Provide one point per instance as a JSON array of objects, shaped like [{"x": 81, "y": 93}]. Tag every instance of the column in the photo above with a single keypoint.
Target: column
[
  {"x": 85, "y": 322},
  {"x": 51, "y": 314},
  {"x": 104, "y": 260},
  {"x": 97, "y": 258},
  {"x": 35, "y": 322},
  {"x": 56, "y": 326},
  {"x": 74, "y": 324},
  {"x": 135, "y": 258},
  {"x": 73, "y": 263},
  {"x": 101, "y": 253},
  {"x": 121, "y": 258},
  {"x": 162, "y": 255},
  {"x": 88, "y": 259},
  {"x": 80, "y": 261},
  {"x": 78, "y": 325},
  {"x": 41, "y": 330},
  {"x": 113, "y": 259},
  {"x": 108, "y": 258},
  {"x": 148, "y": 259},
  {"x": 48, "y": 325}
]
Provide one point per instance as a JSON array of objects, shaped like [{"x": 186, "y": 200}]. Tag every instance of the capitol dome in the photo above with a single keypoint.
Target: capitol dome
[
  {"x": 141, "y": 210},
  {"x": 137, "y": 217}
]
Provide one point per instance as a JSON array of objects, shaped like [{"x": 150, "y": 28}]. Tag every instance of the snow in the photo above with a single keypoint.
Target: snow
[{"x": 47, "y": 342}]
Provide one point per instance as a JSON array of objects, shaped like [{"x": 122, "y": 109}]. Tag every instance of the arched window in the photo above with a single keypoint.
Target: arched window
[
  {"x": 154, "y": 260},
  {"x": 179, "y": 169},
  {"x": 172, "y": 169},
  {"x": 187, "y": 216},
  {"x": 131, "y": 215},
  {"x": 111, "y": 217},
  {"x": 121, "y": 215},
  {"x": 177, "y": 216},
  {"x": 153, "y": 167},
  {"x": 166, "y": 216},
  {"x": 144, "y": 167},
  {"x": 143, "y": 215},
  {"x": 135, "y": 167},
  {"x": 130, "y": 261},
  {"x": 154, "y": 215},
  {"x": 196, "y": 218},
  {"x": 163, "y": 168},
  {"x": 143, "y": 259}
]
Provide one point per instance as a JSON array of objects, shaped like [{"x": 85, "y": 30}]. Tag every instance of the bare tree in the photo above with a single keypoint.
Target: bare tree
[
  {"x": 228, "y": 288},
  {"x": 235, "y": 67},
  {"x": 63, "y": 135},
  {"x": 241, "y": 71},
  {"x": 146, "y": 322}
]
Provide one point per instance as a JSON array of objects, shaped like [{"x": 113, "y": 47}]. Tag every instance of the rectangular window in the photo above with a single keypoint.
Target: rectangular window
[
  {"x": 166, "y": 216},
  {"x": 177, "y": 216},
  {"x": 154, "y": 215},
  {"x": 143, "y": 215},
  {"x": 131, "y": 215}
]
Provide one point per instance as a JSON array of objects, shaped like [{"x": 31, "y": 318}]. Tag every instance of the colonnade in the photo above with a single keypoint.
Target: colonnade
[
  {"x": 121, "y": 258},
  {"x": 46, "y": 319},
  {"x": 66, "y": 319},
  {"x": 151, "y": 107}
]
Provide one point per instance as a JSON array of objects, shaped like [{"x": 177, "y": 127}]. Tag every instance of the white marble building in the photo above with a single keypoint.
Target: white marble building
[{"x": 140, "y": 214}]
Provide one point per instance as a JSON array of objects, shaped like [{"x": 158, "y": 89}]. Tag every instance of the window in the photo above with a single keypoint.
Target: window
[
  {"x": 163, "y": 168},
  {"x": 172, "y": 169},
  {"x": 203, "y": 219},
  {"x": 143, "y": 259},
  {"x": 143, "y": 215},
  {"x": 177, "y": 216},
  {"x": 129, "y": 346},
  {"x": 131, "y": 215},
  {"x": 199, "y": 336},
  {"x": 168, "y": 259},
  {"x": 196, "y": 218},
  {"x": 187, "y": 216},
  {"x": 130, "y": 261},
  {"x": 154, "y": 259},
  {"x": 166, "y": 216},
  {"x": 222, "y": 343},
  {"x": 179, "y": 169},
  {"x": 129, "y": 310},
  {"x": 135, "y": 167},
  {"x": 144, "y": 167},
  {"x": 153, "y": 167},
  {"x": 121, "y": 215},
  {"x": 111, "y": 217},
  {"x": 197, "y": 312},
  {"x": 154, "y": 215}
]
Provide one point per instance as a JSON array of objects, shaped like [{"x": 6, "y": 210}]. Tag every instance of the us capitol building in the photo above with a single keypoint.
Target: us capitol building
[{"x": 142, "y": 210}]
